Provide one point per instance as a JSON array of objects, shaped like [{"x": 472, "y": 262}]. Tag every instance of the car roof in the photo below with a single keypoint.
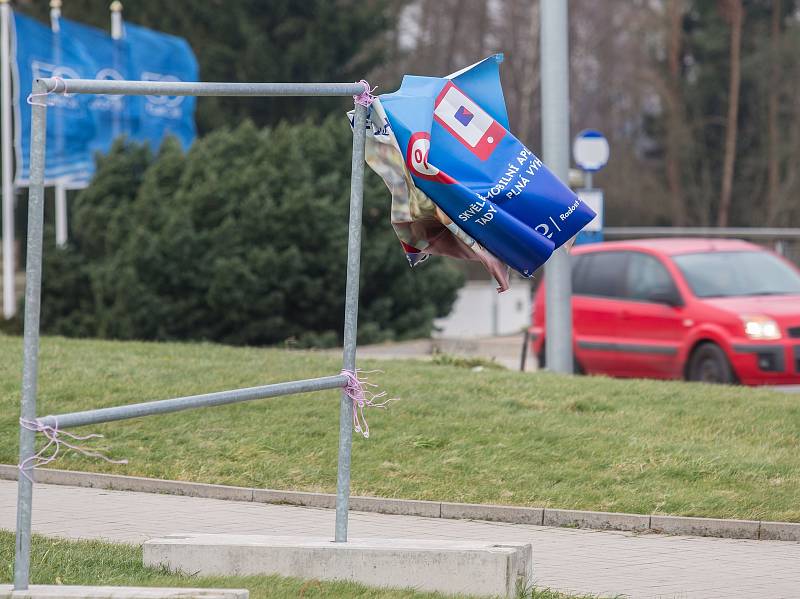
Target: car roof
[{"x": 671, "y": 246}]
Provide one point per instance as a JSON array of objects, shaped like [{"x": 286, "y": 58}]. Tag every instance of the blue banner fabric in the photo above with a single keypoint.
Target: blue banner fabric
[
  {"x": 71, "y": 126},
  {"x": 81, "y": 125},
  {"x": 454, "y": 135},
  {"x": 156, "y": 56}
]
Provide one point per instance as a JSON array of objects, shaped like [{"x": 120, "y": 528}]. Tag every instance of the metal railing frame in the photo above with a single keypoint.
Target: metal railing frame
[
  {"x": 777, "y": 235},
  {"x": 747, "y": 232},
  {"x": 27, "y": 437}
]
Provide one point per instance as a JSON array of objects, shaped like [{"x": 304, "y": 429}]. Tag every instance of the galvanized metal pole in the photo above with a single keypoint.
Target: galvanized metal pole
[
  {"x": 9, "y": 294},
  {"x": 189, "y": 402},
  {"x": 350, "y": 320},
  {"x": 555, "y": 150},
  {"x": 765, "y": 233},
  {"x": 33, "y": 287},
  {"x": 198, "y": 88}
]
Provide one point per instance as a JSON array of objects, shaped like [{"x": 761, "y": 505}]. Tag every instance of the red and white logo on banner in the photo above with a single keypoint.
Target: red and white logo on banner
[
  {"x": 419, "y": 148},
  {"x": 467, "y": 122}
]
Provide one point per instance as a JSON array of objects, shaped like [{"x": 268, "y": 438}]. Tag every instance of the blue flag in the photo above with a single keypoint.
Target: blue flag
[
  {"x": 111, "y": 115},
  {"x": 81, "y": 125},
  {"x": 453, "y": 133},
  {"x": 156, "y": 56},
  {"x": 71, "y": 127}
]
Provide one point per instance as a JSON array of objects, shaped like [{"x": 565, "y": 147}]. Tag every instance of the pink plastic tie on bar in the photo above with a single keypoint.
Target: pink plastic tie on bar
[
  {"x": 356, "y": 389},
  {"x": 55, "y": 438},
  {"x": 365, "y": 98},
  {"x": 34, "y": 102}
]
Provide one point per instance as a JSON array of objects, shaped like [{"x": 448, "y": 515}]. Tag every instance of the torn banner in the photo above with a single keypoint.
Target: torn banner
[{"x": 462, "y": 185}]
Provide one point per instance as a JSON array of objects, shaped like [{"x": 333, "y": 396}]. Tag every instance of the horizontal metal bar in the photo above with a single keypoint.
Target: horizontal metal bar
[
  {"x": 745, "y": 232},
  {"x": 164, "y": 406},
  {"x": 197, "y": 88}
]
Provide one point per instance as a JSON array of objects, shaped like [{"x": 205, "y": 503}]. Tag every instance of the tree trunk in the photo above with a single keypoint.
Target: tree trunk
[
  {"x": 734, "y": 12},
  {"x": 773, "y": 157},
  {"x": 676, "y": 114},
  {"x": 455, "y": 27}
]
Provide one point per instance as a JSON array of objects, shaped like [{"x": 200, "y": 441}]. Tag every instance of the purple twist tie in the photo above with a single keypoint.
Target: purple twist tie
[
  {"x": 31, "y": 96},
  {"x": 53, "y": 439},
  {"x": 365, "y": 98},
  {"x": 356, "y": 389}
]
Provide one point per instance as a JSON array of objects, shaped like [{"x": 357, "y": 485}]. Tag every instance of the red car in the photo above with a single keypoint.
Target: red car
[{"x": 710, "y": 310}]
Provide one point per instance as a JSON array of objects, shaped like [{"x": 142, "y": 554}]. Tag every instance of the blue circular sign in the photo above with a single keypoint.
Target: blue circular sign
[{"x": 590, "y": 150}]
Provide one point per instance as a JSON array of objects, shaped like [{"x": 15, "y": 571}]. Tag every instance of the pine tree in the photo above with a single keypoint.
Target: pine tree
[{"x": 241, "y": 241}]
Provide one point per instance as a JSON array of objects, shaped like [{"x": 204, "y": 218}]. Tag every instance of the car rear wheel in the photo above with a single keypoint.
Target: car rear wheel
[{"x": 709, "y": 364}]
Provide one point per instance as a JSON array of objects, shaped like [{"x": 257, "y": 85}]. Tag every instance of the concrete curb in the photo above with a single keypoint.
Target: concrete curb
[
  {"x": 47, "y": 591},
  {"x": 597, "y": 520},
  {"x": 676, "y": 525}
]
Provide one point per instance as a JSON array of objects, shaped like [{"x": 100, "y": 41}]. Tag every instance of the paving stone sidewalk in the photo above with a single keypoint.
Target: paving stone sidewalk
[{"x": 579, "y": 561}]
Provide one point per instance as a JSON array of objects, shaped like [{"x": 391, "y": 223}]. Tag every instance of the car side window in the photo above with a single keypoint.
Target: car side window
[
  {"x": 600, "y": 274},
  {"x": 647, "y": 278},
  {"x": 578, "y": 268}
]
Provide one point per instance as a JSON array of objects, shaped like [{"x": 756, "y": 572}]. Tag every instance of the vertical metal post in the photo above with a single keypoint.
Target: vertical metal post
[
  {"x": 61, "y": 215},
  {"x": 33, "y": 287},
  {"x": 350, "y": 320},
  {"x": 587, "y": 179},
  {"x": 9, "y": 262},
  {"x": 555, "y": 141}
]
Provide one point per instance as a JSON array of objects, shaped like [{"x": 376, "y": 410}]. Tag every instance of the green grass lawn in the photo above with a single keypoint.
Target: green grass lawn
[
  {"x": 492, "y": 436},
  {"x": 56, "y": 561}
]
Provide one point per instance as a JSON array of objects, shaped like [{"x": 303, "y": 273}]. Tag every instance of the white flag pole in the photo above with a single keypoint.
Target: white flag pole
[
  {"x": 116, "y": 34},
  {"x": 61, "y": 214},
  {"x": 60, "y": 187},
  {"x": 116, "y": 19},
  {"x": 55, "y": 15},
  {"x": 9, "y": 261}
]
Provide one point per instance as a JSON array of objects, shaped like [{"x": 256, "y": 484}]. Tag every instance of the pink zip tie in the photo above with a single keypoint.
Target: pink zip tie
[
  {"x": 365, "y": 98},
  {"x": 52, "y": 434},
  {"x": 31, "y": 96},
  {"x": 356, "y": 389}
]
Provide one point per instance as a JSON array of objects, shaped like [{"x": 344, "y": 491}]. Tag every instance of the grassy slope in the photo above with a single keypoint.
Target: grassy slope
[
  {"x": 490, "y": 436},
  {"x": 56, "y": 561}
]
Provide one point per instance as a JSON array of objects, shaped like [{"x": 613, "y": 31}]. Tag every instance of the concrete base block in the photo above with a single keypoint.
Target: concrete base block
[
  {"x": 41, "y": 591},
  {"x": 470, "y": 567}
]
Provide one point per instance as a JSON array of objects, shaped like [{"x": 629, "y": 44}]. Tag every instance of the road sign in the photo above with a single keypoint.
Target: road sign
[
  {"x": 590, "y": 150},
  {"x": 593, "y": 232},
  {"x": 594, "y": 199}
]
